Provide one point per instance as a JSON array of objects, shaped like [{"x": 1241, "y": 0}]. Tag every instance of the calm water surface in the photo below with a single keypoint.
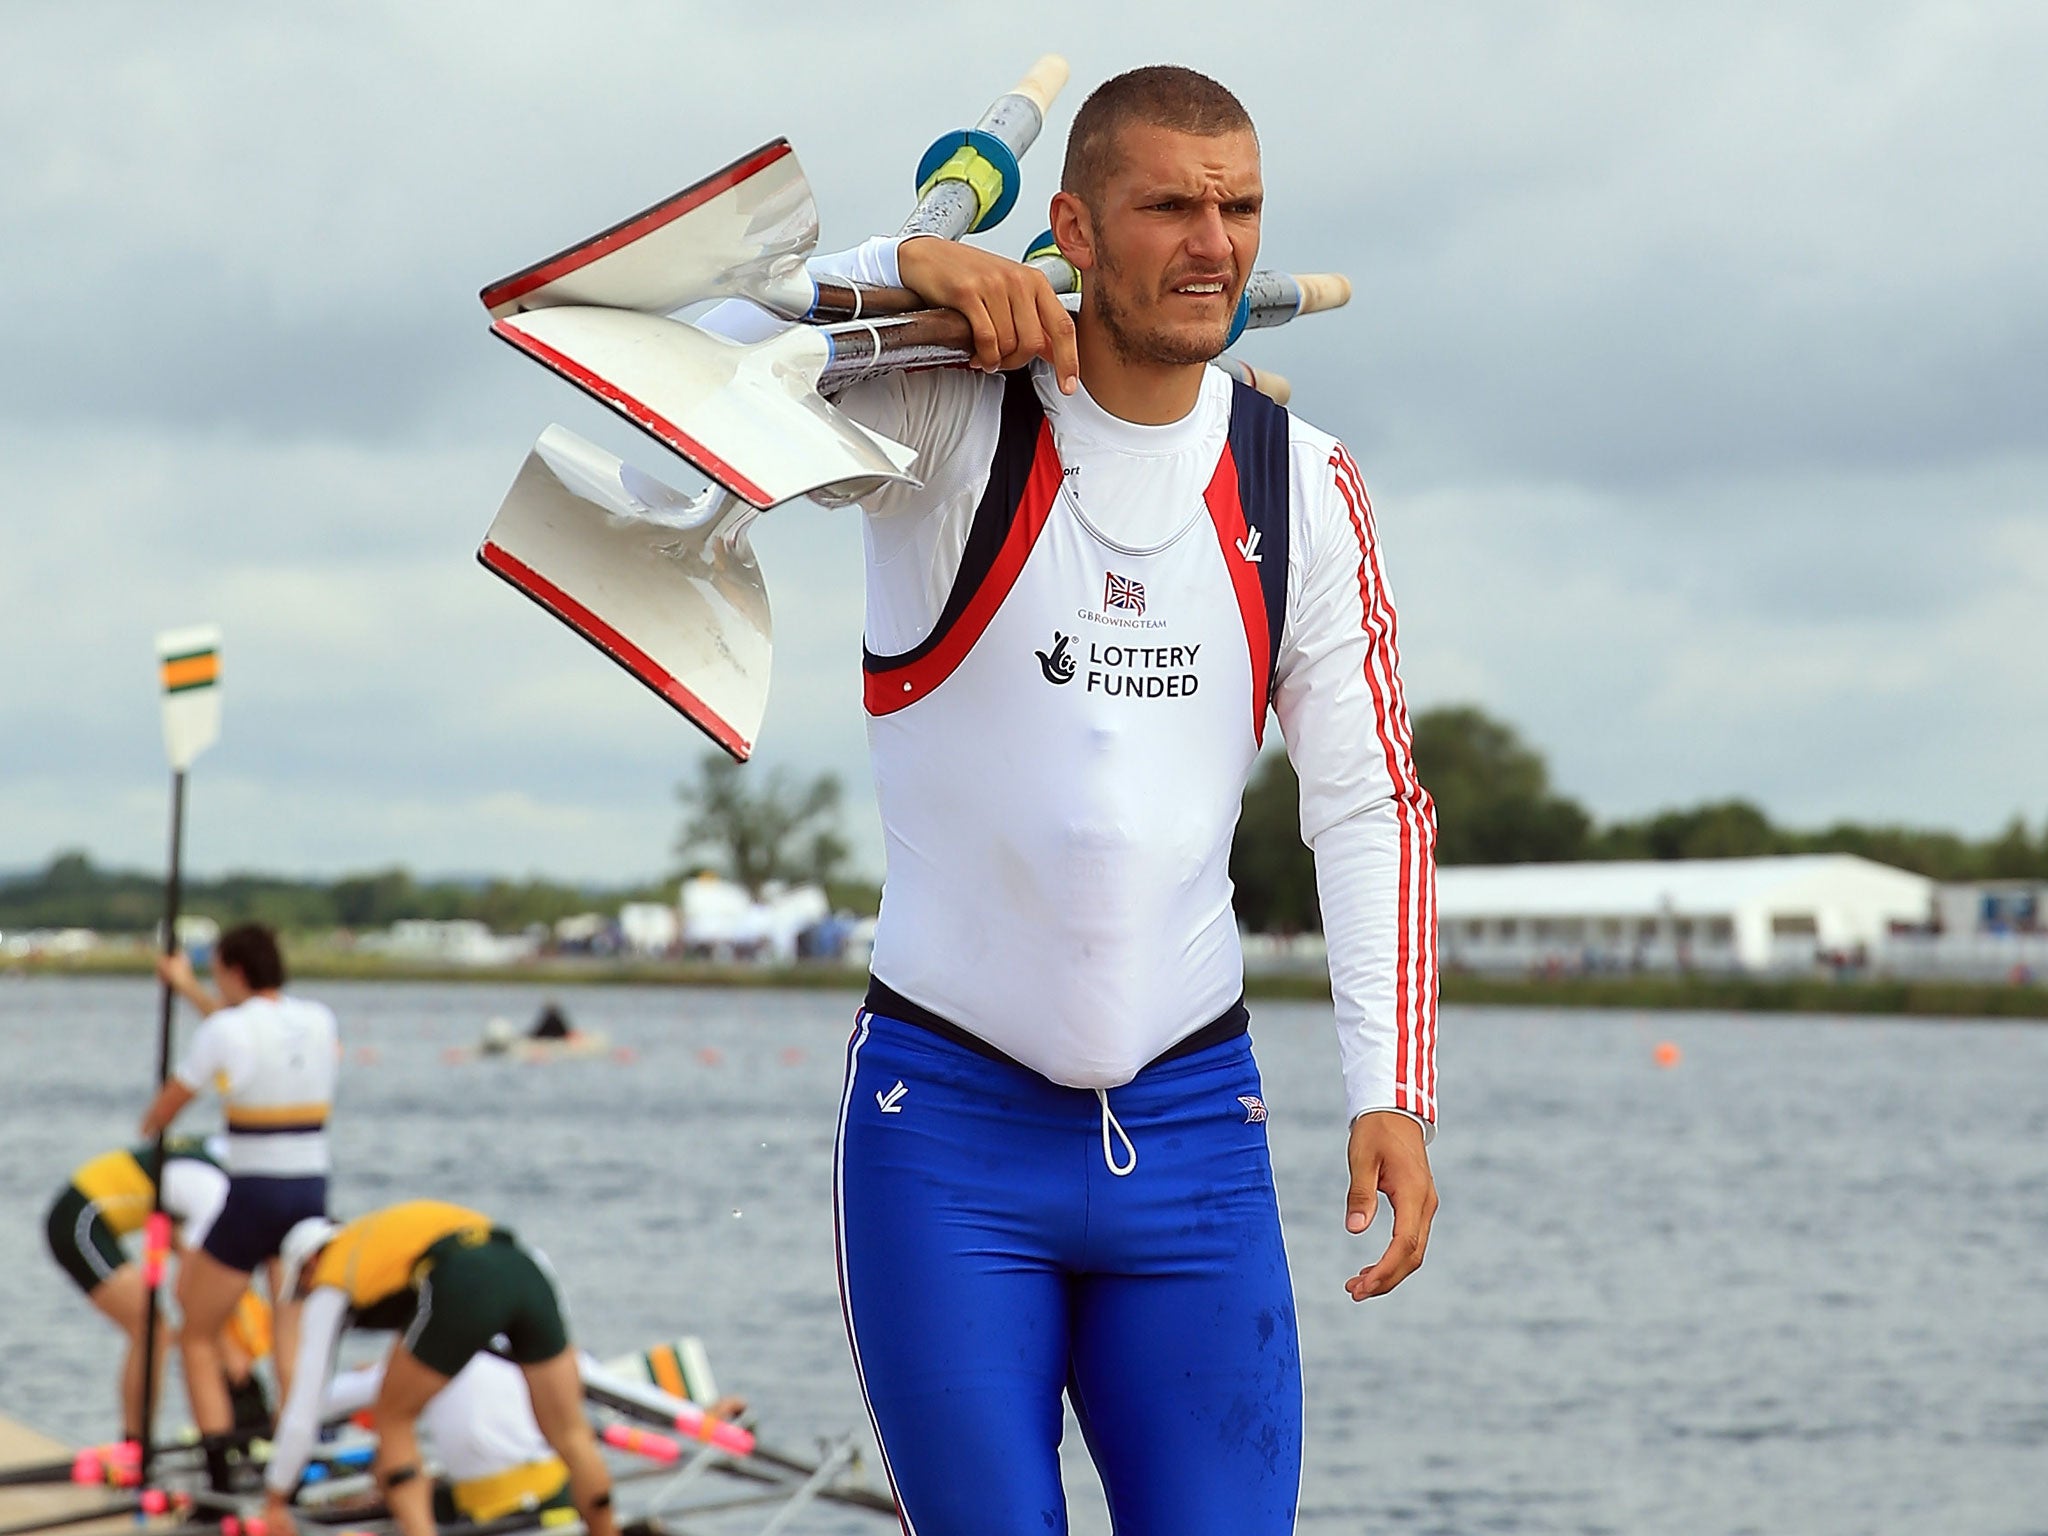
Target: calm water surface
[{"x": 1798, "y": 1284}]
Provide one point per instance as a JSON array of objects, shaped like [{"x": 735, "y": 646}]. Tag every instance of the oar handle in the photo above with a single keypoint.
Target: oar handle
[
  {"x": 1041, "y": 83},
  {"x": 1322, "y": 290},
  {"x": 968, "y": 179}
]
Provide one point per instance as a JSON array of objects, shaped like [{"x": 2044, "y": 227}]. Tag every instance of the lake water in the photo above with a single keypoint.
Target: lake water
[{"x": 1796, "y": 1284}]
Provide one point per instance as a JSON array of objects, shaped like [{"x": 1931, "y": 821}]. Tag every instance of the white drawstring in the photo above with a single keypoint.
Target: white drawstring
[{"x": 1109, "y": 1123}]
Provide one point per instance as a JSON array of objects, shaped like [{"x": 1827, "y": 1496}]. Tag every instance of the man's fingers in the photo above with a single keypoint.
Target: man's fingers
[
  {"x": 1414, "y": 1209},
  {"x": 1059, "y": 333},
  {"x": 1030, "y": 341},
  {"x": 987, "y": 354},
  {"x": 1364, "y": 1203}
]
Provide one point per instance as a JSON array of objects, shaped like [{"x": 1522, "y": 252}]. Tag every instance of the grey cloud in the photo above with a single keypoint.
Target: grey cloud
[{"x": 1694, "y": 364}]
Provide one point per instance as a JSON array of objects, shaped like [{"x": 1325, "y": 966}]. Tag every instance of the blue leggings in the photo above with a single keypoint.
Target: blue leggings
[{"x": 990, "y": 1258}]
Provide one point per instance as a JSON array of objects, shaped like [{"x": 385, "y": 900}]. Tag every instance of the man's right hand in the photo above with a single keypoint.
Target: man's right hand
[{"x": 1014, "y": 312}]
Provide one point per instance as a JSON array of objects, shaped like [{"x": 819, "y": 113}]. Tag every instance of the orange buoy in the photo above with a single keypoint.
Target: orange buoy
[
  {"x": 792, "y": 1056},
  {"x": 1667, "y": 1054},
  {"x": 710, "y": 1055}
]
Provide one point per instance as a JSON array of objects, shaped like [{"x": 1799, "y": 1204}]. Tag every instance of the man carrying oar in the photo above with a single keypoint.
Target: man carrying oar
[
  {"x": 1052, "y": 1171},
  {"x": 451, "y": 1281},
  {"x": 273, "y": 1059}
]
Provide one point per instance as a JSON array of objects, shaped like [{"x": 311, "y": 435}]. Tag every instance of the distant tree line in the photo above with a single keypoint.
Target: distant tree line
[
  {"x": 73, "y": 892},
  {"x": 754, "y": 825},
  {"x": 1495, "y": 805}
]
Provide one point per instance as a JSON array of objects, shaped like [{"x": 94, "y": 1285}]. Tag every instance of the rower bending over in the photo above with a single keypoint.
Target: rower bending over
[
  {"x": 480, "y": 1426},
  {"x": 110, "y": 1198},
  {"x": 452, "y": 1281}
]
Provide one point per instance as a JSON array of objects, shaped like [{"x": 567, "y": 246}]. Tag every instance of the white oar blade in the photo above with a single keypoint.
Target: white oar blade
[
  {"x": 739, "y": 233},
  {"x": 189, "y": 666},
  {"x": 749, "y": 416},
  {"x": 684, "y": 610}
]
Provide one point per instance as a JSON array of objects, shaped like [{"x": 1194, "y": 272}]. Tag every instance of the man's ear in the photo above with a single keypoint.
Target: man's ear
[{"x": 1073, "y": 230}]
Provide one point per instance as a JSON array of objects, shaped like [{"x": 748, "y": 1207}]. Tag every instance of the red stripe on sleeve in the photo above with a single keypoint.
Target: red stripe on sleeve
[{"x": 1415, "y": 958}]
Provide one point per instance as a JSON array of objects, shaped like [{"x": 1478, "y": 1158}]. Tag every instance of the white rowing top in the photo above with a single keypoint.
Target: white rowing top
[
  {"x": 274, "y": 1061},
  {"x": 1058, "y": 841},
  {"x": 479, "y": 1425}
]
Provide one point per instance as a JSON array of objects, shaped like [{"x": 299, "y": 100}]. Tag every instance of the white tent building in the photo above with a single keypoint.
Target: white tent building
[{"x": 1708, "y": 914}]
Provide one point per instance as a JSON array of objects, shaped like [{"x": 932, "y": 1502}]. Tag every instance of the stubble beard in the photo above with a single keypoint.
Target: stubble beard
[{"x": 1151, "y": 348}]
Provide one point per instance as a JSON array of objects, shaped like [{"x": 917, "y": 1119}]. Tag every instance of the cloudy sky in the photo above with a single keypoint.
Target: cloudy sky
[{"x": 1699, "y": 364}]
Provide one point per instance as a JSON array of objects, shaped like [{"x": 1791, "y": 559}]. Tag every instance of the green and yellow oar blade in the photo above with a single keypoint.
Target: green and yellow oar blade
[{"x": 190, "y": 666}]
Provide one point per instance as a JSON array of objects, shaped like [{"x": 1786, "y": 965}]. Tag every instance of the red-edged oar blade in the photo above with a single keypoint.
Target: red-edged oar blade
[
  {"x": 603, "y": 548},
  {"x": 740, "y": 229},
  {"x": 748, "y": 415}
]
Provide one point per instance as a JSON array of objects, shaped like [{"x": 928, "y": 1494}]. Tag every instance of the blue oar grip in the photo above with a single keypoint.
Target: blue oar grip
[
  {"x": 1044, "y": 245},
  {"x": 984, "y": 162},
  {"x": 1241, "y": 319}
]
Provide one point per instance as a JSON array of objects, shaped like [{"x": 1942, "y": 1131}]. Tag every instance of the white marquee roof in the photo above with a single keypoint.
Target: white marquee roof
[{"x": 1701, "y": 887}]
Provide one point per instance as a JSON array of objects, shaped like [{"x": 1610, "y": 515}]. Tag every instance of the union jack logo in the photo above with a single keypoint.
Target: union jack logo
[
  {"x": 1254, "y": 1109},
  {"x": 1122, "y": 592}
]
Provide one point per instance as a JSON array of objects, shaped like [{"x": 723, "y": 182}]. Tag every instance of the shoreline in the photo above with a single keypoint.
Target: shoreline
[{"x": 1691, "y": 992}]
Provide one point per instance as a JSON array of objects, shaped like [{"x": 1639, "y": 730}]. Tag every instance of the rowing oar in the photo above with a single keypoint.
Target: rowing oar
[
  {"x": 190, "y": 663},
  {"x": 754, "y": 417},
  {"x": 88, "y": 1467},
  {"x": 743, "y": 231},
  {"x": 651, "y": 1405},
  {"x": 664, "y": 584}
]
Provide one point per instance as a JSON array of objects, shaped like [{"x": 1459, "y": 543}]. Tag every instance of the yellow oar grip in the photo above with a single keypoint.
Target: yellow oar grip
[{"x": 968, "y": 164}]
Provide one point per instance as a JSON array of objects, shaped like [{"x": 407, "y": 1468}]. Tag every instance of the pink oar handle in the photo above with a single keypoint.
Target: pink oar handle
[
  {"x": 156, "y": 1248},
  {"x": 698, "y": 1426},
  {"x": 641, "y": 1442}
]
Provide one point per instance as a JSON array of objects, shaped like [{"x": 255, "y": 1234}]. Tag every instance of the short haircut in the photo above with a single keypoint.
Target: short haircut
[
  {"x": 252, "y": 950},
  {"x": 1162, "y": 95}
]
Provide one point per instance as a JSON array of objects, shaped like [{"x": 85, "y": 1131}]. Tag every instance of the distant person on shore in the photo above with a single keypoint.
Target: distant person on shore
[
  {"x": 110, "y": 1198},
  {"x": 273, "y": 1060}
]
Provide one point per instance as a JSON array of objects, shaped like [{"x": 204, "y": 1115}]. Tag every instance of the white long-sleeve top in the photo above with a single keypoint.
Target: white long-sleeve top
[
  {"x": 479, "y": 1425},
  {"x": 1058, "y": 847}
]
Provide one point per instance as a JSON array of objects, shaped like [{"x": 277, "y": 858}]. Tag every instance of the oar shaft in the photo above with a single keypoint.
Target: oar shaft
[
  {"x": 840, "y": 300},
  {"x": 1016, "y": 117},
  {"x": 152, "y": 1262},
  {"x": 930, "y": 338}
]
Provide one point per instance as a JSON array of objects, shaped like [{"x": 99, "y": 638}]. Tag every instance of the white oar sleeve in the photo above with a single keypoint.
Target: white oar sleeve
[
  {"x": 872, "y": 262},
  {"x": 1363, "y": 811},
  {"x": 320, "y": 1323}
]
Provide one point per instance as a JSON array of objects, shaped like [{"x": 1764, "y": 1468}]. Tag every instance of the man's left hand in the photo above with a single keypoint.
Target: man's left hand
[{"x": 1387, "y": 1153}]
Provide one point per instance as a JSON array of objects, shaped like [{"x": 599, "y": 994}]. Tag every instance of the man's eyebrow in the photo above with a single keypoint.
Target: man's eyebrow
[{"x": 1160, "y": 192}]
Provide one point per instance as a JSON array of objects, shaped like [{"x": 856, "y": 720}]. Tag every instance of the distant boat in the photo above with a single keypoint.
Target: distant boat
[{"x": 551, "y": 1038}]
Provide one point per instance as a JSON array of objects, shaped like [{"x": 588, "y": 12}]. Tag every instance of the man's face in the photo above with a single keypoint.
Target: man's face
[{"x": 1175, "y": 239}]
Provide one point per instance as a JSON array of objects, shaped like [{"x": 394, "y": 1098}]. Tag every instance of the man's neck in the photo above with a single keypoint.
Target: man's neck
[{"x": 1149, "y": 394}]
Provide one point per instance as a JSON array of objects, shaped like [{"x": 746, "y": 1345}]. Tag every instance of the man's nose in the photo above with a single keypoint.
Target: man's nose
[{"x": 1209, "y": 238}]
